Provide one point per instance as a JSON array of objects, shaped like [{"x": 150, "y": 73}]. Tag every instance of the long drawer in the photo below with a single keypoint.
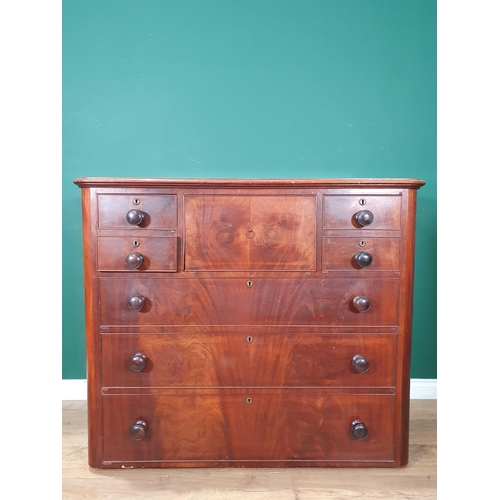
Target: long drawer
[
  {"x": 249, "y": 427},
  {"x": 239, "y": 360},
  {"x": 237, "y": 301}
]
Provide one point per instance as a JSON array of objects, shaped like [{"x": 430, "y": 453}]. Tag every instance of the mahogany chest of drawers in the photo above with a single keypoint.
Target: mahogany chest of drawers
[{"x": 248, "y": 323}]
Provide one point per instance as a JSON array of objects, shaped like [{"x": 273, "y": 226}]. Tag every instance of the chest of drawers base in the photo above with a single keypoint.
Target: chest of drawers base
[{"x": 248, "y": 323}]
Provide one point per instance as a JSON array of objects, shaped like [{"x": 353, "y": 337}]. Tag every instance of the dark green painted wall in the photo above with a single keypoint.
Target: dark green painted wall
[{"x": 254, "y": 88}]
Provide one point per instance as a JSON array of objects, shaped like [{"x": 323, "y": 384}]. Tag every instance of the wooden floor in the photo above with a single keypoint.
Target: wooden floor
[{"x": 416, "y": 481}]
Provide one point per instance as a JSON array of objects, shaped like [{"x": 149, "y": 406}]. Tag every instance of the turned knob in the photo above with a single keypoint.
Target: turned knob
[
  {"x": 136, "y": 302},
  {"x": 363, "y": 259},
  {"x": 134, "y": 260},
  {"x": 362, "y": 304},
  {"x": 364, "y": 218},
  {"x": 135, "y": 217},
  {"x": 359, "y": 430},
  {"x": 138, "y": 430},
  {"x": 360, "y": 363},
  {"x": 138, "y": 362}
]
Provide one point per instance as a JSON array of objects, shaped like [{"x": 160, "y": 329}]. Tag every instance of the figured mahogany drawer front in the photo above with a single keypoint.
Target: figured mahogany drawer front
[
  {"x": 340, "y": 211},
  {"x": 185, "y": 301},
  {"x": 239, "y": 360},
  {"x": 250, "y": 233},
  {"x": 374, "y": 254},
  {"x": 138, "y": 254},
  {"x": 247, "y": 426},
  {"x": 128, "y": 211}
]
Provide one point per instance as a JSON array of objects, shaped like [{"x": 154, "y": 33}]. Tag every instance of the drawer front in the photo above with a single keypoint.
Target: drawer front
[
  {"x": 225, "y": 233},
  {"x": 239, "y": 360},
  {"x": 137, "y": 254},
  {"x": 352, "y": 253},
  {"x": 159, "y": 211},
  {"x": 340, "y": 210},
  {"x": 227, "y": 427},
  {"x": 185, "y": 301}
]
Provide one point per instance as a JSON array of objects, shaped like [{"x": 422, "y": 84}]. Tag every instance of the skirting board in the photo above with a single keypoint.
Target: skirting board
[{"x": 420, "y": 388}]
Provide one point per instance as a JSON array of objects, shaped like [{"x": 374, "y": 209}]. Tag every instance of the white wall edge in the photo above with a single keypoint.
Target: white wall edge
[{"x": 420, "y": 388}]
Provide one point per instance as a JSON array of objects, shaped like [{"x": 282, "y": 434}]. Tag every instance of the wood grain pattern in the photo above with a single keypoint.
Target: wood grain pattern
[
  {"x": 416, "y": 481},
  {"x": 160, "y": 211},
  {"x": 250, "y": 232},
  {"x": 230, "y": 360},
  {"x": 339, "y": 211},
  {"x": 228, "y": 429},
  {"x": 159, "y": 253},
  {"x": 338, "y": 253},
  {"x": 229, "y": 259},
  {"x": 231, "y": 302}
]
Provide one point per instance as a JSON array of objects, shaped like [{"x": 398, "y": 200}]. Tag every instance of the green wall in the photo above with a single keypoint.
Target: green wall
[{"x": 249, "y": 88}]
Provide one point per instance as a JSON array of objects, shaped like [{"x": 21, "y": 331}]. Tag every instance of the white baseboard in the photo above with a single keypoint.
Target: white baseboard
[
  {"x": 420, "y": 388},
  {"x": 423, "y": 388},
  {"x": 74, "y": 389}
]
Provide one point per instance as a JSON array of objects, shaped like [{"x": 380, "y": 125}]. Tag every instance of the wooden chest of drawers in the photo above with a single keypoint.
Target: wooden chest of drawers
[{"x": 248, "y": 323}]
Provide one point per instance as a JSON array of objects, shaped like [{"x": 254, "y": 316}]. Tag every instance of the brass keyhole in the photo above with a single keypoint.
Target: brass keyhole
[
  {"x": 249, "y": 284},
  {"x": 249, "y": 401},
  {"x": 136, "y": 201},
  {"x": 135, "y": 243},
  {"x": 249, "y": 339},
  {"x": 362, "y": 201},
  {"x": 362, "y": 243}
]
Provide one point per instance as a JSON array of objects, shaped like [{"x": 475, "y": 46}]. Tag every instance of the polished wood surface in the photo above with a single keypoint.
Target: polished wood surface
[
  {"x": 250, "y": 233},
  {"x": 160, "y": 211},
  {"x": 265, "y": 322},
  {"x": 231, "y": 301},
  {"x": 159, "y": 254},
  {"x": 339, "y": 253},
  {"x": 242, "y": 360},
  {"x": 340, "y": 211},
  {"x": 416, "y": 481},
  {"x": 251, "y": 428}
]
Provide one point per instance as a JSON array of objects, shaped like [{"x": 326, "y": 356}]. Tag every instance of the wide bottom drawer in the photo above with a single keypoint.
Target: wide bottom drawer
[{"x": 251, "y": 428}]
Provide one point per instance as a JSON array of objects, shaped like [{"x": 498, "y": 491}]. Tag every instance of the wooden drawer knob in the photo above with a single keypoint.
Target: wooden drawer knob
[
  {"x": 135, "y": 217},
  {"x": 138, "y": 430},
  {"x": 136, "y": 302},
  {"x": 362, "y": 304},
  {"x": 359, "y": 429},
  {"x": 134, "y": 260},
  {"x": 363, "y": 259},
  {"x": 138, "y": 362},
  {"x": 360, "y": 363},
  {"x": 364, "y": 218}
]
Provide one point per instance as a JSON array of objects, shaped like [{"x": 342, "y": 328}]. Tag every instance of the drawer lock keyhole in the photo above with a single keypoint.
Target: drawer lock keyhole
[
  {"x": 249, "y": 284},
  {"x": 249, "y": 401},
  {"x": 249, "y": 339}
]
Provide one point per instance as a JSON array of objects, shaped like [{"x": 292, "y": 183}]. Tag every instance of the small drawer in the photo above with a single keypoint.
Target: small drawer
[
  {"x": 249, "y": 425},
  {"x": 137, "y": 254},
  {"x": 129, "y": 211},
  {"x": 242, "y": 360},
  {"x": 340, "y": 212},
  {"x": 375, "y": 254}
]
